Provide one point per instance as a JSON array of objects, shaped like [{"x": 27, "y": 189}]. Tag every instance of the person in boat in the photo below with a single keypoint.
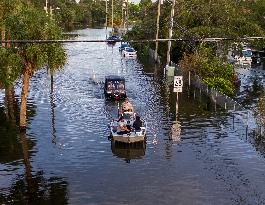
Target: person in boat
[
  {"x": 122, "y": 127},
  {"x": 121, "y": 86},
  {"x": 137, "y": 124},
  {"x": 127, "y": 106},
  {"x": 110, "y": 86}
]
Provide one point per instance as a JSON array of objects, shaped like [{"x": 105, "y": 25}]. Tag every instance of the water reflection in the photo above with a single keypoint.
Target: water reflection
[
  {"x": 32, "y": 187},
  {"x": 253, "y": 92},
  {"x": 10, "y": 150},
  {"x": 11, "y": 106},
  {"x": 37, "y": 189},
  {"x": 128, "y": 151},
  {"x": 17, "y": 148},
  {"x": 52, "y": 104}
]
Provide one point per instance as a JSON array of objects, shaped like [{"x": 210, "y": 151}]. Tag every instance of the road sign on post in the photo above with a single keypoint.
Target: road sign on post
[
  {"x": 177, "y": 89},
  {"x": 178, "y": 83}
]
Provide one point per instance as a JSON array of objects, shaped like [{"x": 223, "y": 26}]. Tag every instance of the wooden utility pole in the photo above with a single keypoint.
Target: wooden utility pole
[
  {"x": 122, "y": 12},
  {"x": 106, "y": 19},
  {"x": 127, "y": 14},
  {"x": 157, "y": 27},
  {"x": 170, "y": 30},
  {"x": 112, "y": 17},
  {"x": 46, "y": 6}
]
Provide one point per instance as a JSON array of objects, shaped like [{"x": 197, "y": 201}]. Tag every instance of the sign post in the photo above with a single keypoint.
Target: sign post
[
  {"x": 176, "y": 128},
  {"x": 178, "y": 84},
  {"x": 178, "y": 81}
]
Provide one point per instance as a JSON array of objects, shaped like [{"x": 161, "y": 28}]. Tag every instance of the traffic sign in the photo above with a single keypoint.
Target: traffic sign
[
  {"x": 177, "y": 89},
  {"x": 178, "y": 81}
]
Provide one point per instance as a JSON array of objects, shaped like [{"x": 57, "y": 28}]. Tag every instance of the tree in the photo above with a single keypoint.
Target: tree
[
  {"x": 211, "y": 69},
  {"x": 31, "y": 24}
]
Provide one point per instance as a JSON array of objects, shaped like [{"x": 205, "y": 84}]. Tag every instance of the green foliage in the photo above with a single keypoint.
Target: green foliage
[
  {"x": 217, "y": 19},
  {"x": 199, "y": 19},
  {"x": 55, "y": 56},
  {"x": 145, "y": 3},
  {"x": 256, "y": 10},
  {"x": 220, "y": 84},
  {"x": 10, "y": 66},
  {"x": 211, "y": 69},
  {"x": 30, "y": 24},
  {"x": 25, "y": 22}
]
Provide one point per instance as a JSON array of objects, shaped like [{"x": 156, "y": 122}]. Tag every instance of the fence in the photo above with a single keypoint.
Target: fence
[
  {"x": 246, "y": 116},
  {"x": 200, "y": 90}
]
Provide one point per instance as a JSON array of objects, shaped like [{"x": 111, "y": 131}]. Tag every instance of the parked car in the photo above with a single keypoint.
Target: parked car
[
  {"x": 129, "y": 52},
  {"x": 255, "y": 57},
  {"x": 123, "y": 46},
  {"x": 244, "y": 58},
  {"x": 113, "y": 39},
  {"x": 114, "y": 87}
]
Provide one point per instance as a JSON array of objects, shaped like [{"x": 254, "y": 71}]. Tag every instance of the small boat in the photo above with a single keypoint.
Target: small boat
[
  {"x": 131, "y": 136},
  {"x": 114, "y": 87}
]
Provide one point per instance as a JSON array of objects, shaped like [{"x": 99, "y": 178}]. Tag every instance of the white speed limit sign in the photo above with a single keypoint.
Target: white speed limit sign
[{"x": 178, "y": 81}]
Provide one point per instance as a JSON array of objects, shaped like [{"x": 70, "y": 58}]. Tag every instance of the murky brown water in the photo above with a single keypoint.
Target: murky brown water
[{"x": 66, "y": 157}]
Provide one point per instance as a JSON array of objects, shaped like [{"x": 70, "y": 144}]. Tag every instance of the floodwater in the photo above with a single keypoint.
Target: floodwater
[{"x": 194, "y": 154}]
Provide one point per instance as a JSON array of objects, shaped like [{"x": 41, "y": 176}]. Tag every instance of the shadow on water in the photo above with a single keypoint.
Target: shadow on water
[{"x": 128, "y": 152}]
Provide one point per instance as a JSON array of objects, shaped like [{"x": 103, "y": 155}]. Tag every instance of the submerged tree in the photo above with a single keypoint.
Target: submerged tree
[{"x": 28, "y": 23}]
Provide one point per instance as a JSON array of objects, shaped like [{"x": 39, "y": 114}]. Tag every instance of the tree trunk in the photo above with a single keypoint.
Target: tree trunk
[
  {"x": 24, "y": 94},
  {"x": 10, "y": 102}
]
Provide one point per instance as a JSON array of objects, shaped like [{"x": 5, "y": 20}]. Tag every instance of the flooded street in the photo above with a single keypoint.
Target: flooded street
[{"x": 194, "y": 154}]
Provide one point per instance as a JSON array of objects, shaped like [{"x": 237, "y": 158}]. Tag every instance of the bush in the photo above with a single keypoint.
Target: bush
[{"x": 213, "y": 71}]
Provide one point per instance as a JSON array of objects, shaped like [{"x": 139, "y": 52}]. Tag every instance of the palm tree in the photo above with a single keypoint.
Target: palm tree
[{"x": 29, "y": 23}]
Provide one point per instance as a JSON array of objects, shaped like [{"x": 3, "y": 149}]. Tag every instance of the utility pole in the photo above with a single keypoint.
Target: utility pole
[
  {"x": 106, "y": 19},
  {"x": 122, "y": 12},
  {"x": 112, "y": 17},
  {"x": 157, "y": 27},
  {"x": 51, "y": 9},
  {"x": 170, "y": 30},
  {"x": 46, "y": 7},
  {"x": 127, "y": 14}
]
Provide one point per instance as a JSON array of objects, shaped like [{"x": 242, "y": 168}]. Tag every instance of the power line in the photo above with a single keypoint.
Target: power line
[{"x": 133, "y": 41}]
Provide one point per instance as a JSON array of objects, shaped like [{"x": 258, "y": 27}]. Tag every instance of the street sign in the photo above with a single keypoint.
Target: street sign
[
  {"x": 178, "y": 81},
  {"x": 177, "y": 89}
]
